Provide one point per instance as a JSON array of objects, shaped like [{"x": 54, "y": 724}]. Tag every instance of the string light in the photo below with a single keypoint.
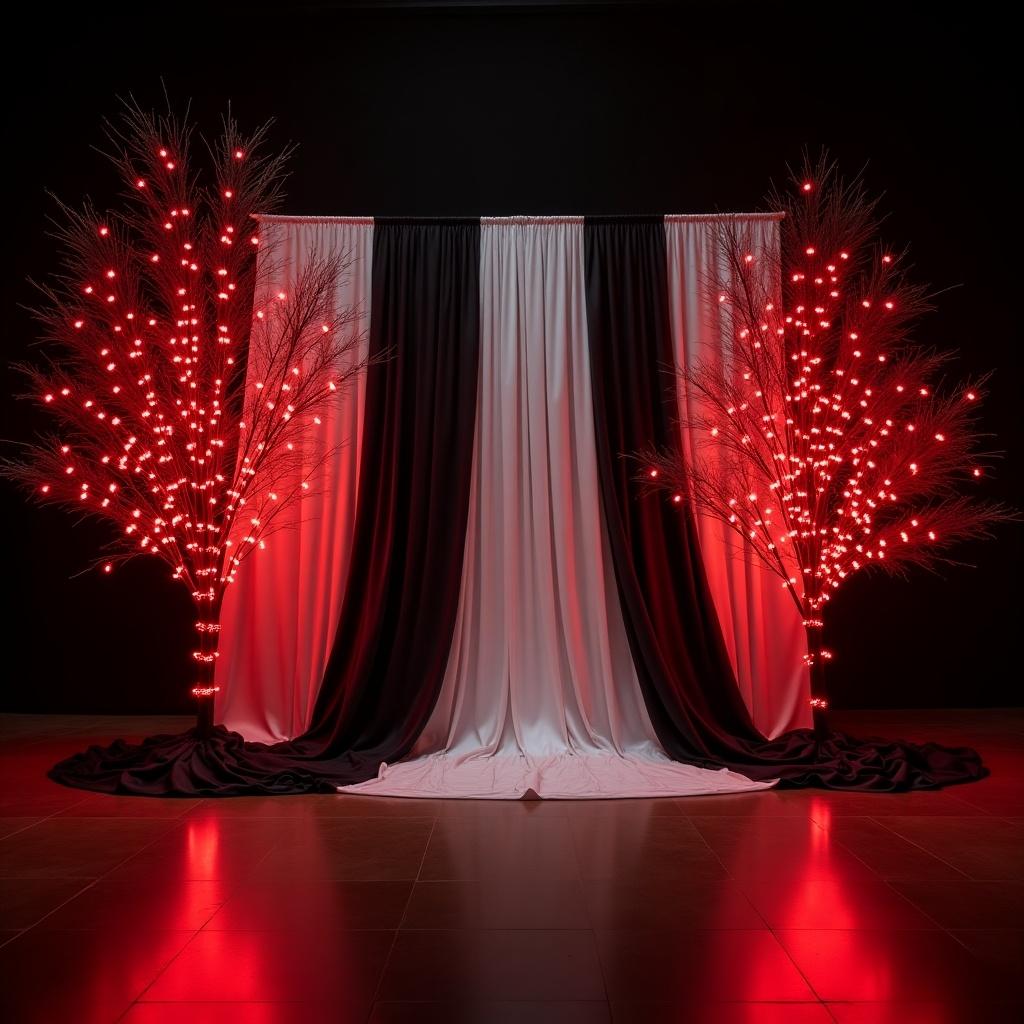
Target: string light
[
  {"x": 817, "y": 405},
  {"x": 185, "y": 474}
]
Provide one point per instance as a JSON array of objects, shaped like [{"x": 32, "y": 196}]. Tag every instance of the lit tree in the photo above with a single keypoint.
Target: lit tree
[
  {"x": 148, "y": 331},
  {"x": 825, "y": 437}
]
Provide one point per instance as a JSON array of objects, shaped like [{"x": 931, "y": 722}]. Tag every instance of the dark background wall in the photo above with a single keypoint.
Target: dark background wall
[{"x": 490, "y": 109}]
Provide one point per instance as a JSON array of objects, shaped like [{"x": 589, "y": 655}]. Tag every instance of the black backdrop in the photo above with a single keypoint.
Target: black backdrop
[{"x": 492, "y": 108}]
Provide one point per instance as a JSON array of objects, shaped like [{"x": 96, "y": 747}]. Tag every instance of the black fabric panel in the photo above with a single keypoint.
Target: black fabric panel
[
  {"x": 398, "y": 615},
  {"x": 397, "y": 622},
  {"x": 681, "y": 661},
  {"x": 670, "y": 618}
]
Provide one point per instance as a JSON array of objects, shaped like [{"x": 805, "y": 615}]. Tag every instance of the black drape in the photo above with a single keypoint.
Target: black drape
[
  {"x": 684, "y": 670},
  {"x": 398, "y": 615}
]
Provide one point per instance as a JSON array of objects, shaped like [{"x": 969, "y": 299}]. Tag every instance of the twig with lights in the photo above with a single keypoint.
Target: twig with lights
[
  {"x": 826, "y": 437},
  {"x": 184, "y": 415}
]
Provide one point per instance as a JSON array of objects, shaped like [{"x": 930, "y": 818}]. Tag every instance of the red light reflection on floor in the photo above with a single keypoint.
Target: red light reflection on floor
[{"x": 202, "y": 848}]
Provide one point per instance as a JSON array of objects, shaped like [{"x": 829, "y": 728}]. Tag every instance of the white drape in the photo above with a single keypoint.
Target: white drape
[
  {"x": 540, "y": 692},
  {"x": 279, "y": 618},
  {"x": 760, "y": 623}
]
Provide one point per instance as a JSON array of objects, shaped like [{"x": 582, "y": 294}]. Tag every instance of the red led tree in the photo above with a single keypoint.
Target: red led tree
[
  {"x": 826, "y": 438},
  {"x": 149, "y": 329}
]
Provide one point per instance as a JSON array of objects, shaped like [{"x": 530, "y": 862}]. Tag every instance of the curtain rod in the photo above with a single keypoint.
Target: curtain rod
[
  {"x": 671, "y": 218},
  {"x": 677, "y": 218},
  {"x": 283, "y": 218}
]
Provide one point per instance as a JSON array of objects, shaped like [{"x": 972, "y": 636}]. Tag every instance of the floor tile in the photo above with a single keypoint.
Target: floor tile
[
  {"x": 482, "y": 965},
  {"x": 677, "y": 904},
  {"x": 18, "y": 801},
  {"x": 889, "y": 855},
  {"x": 967, "y": 1012},
  {"x": 841, "y": 902},
  {"x": 627, "y": 813},
  {"x": 313, "y": 906},
  {"x": 768, "y": 803},
  {"x": 24, "y": 901},
  {"x": 139, "y": 907},
  {"x": 336, "y": 1012},
  {"x": 555, "y": 1012},
  {"x": 824, "y": 806},
  {"x": 1000, "y": 948},
  {"x": 103, "y": 805},
  {"x": 778, "y": 849},
  {"x": 62, "y": 848},
  {"x": 968, "y": 904},
  {"x": 892, "y": 966},
  {"x": 205, "y": 850},
  {"x": 315, "y": 805},
  {"x": 659, "y": 848},
  {"x": 57, "y": 977},
  {"x": 480, "y": 904},
  {"x": 277, "y": 966},
  {"x": 377, "y": 849},
  {"x": 719, "y": 1013},
  {"x": 9, "y": 826},
  {"x": 983, "y": 848},
  {"x": 511, "y": 850},
  {"x": 1005, "y": 801},
  {"x": 699, "y": 967}
]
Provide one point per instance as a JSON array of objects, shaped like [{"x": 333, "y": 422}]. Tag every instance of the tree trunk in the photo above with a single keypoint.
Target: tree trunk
[
  {"x": 204, "y": 688},
  {"x": 816, "y": 657}
]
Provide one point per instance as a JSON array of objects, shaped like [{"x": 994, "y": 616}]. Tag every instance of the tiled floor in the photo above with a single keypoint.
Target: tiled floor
[{"x": 797, "y": 907}]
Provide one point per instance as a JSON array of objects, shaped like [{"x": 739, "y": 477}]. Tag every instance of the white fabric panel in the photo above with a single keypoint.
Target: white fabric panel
[
  {"x": 279, "y": 618},
  {"x": 760, "y": 622},
  {"x": 540, "y": 694}
]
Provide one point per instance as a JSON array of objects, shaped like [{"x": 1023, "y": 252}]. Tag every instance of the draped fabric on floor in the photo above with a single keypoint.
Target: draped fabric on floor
[{"x": 503, "y": 609}]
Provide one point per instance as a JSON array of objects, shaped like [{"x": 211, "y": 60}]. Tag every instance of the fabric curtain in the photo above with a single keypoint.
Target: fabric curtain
[
  {"x": 681, "y": 659},
  {"x": 671, "y": 621},
  {"x": 540, "y": 694},
  {"x": 279, "y": 619},
  {"x": 503, "y": 590},
  {"x": 396, "y": 621},
  {"x": 761, "y": 626},
  {"x": 395, "y": 632}
]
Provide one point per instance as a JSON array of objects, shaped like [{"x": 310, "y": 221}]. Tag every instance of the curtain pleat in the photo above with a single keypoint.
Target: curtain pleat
[
  {"x": 395, "y": 628},
  {"x": 396, "y": 625},
  {"x": 537, "y": 662},
  {"x": 540, "y": 694},
  {"x": 761, "y": 626},
  {"x": 279, "y": 619},
  {"x": 681, "y": 660},
  {"x": 677, "y": 645}
]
